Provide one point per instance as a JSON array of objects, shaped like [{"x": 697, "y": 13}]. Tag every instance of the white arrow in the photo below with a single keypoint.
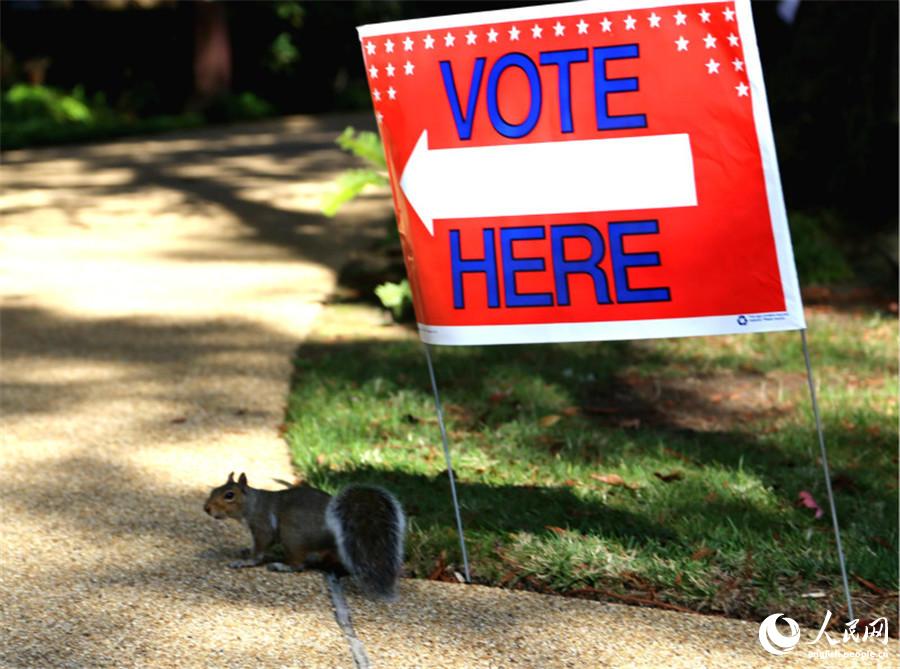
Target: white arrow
[{"x": 574, "y": 176}]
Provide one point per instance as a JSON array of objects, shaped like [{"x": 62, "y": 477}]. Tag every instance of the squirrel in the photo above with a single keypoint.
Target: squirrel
[{"x": 363, "y": 524}]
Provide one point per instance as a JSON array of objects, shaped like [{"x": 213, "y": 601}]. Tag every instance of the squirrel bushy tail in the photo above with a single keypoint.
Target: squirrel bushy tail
[{"x": 368, "y": 524}]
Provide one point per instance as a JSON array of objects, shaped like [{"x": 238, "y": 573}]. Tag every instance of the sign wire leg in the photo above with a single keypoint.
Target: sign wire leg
[
  {"x": 834, "y": 518},
  {"x": 440, "y": 416}
]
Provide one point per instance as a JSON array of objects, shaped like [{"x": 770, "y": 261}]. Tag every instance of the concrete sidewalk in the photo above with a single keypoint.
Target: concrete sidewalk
[{"x": 154, "y": 292}]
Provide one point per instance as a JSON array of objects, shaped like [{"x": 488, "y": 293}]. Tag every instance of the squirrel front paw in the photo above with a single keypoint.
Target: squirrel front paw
[
  {"x": 240, "y": 564},
  {"x": 281, "y": 566}
]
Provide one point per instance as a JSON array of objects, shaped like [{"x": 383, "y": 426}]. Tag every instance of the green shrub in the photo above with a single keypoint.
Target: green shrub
[{"x": 366, "y": 145}]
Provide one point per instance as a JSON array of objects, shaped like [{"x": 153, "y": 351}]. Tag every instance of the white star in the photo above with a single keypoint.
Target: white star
[
  {"x": 389, "y": 68},
  {"x": 471, "y": 37},
  {"x": 607, "y": 25},
  {"x": 377, "y": 95},
  {"x": 738, "y": 65},
  {"x": 392, "y": 94},
  {"x": 407, "y": 44},
  {"x": 492, "y": 35},
  {"x": 536, "y": 31},
  {"x": 370, "y": 48},
  {"x": 559, "y": 29},
  {"x": 582, "y": 27},
  {"x": 712, "y": 67},
  {"x": 709, "y": 41},
  {"x": 379, "y": 116},
  {"x": 449, "y": 39},
  {"x": 389, "y": 47},
  {"x": 742, "y": 89},
  {"x": 408, "y": 68},
  {"x": 704, "y": 16},
  {"x": 629, "y": 22},
  {"x": 733, "y": 39},
  {"x": 428, "y": 41},
  {"x": 514, "y": 34},
  {"x": 729, "y": 14},
  {"x": 682, "y": 43},
  {"x": 373, "y": 72},
  {"x": 654, "y": 20},
  {"x": 680, "y": 18}
]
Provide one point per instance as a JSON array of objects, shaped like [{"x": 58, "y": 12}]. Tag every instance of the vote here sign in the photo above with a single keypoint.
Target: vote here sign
[{"x": 595, "y": 170}]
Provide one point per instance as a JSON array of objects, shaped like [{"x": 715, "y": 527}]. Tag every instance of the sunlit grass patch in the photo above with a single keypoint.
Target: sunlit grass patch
[{"x": 662, "y": 471}]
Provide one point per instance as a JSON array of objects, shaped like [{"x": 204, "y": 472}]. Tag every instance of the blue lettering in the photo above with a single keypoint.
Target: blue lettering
[
  {"x": 525, "y": 64},
  {"x": 604, "y": 86},
  {"x": 463, "y": 123},
  {"x": 563, "y": 60},
  {"x": 513, "y": 265},
  {"x": 486, "y": 266},
  {"x": 621, "y": 261},
  {"x": 562, "y": 267}
]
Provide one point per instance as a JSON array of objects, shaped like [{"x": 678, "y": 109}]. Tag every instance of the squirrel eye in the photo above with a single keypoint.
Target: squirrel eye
[{"x": 229, "y": 495}]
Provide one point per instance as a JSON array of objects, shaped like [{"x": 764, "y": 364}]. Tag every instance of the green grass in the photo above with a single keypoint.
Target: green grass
[{"x": 534, "y": 429}]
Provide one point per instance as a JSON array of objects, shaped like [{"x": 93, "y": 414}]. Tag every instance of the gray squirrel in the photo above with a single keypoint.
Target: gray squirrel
[{"x": 363, "y": 524}]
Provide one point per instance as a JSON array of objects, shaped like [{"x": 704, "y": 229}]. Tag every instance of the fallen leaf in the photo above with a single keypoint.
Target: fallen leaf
[
  {"x": 678, "y": 579},
  {"x": 630, "y": 423},
  {"x": 556, "y": 530},
  {"x": 570, "y": 483},
  {"x": 871, "y": 586},
  {"x": 613, "y": 479},
  {"x": 439, "y": 568},
  {"x": 881, "y": 541},
  {"x": 711, "y": 497},
  {"x": 498, "y": 397},
  {"x": 702, "y": 552},
  {"x": 179, "y": 420},
  {"x": 674, "y": 475},
  {"x": 508, "y": 577},
  {"x": 805, "y": 498},
  {"x": 570, "y": 411},
  {"x": 321, "y": 459},
  {"x": 549, "y": 421},
  {"x": 843, "y": 483},
  {"x": 676, "y": 454}
]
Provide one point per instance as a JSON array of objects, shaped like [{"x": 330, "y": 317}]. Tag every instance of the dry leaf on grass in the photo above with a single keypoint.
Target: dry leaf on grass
[
  {"x": 871, "y": 586},
  {"x": 613, "y": 479},
  {"x": 702, "y": 552},
  {"x": 549, "y": 421}
]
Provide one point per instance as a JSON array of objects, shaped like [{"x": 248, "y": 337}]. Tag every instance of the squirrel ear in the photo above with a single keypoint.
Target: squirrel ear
[
  {"x": 230, "y": 478},
  {"x": 242, "y": 481}
]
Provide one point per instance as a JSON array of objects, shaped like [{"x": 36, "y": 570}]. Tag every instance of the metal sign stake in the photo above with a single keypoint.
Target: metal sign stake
[
  {"x": 440, "y": 417},
  {"x": 834, "y": 518}
]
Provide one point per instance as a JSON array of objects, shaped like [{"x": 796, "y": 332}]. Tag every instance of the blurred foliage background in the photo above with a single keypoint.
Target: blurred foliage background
[{"x": 87, "y": 70}]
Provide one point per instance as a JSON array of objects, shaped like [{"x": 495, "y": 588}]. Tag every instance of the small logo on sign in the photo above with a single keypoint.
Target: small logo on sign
[
  {"x": 742, "y": 320},
  {"x": 772, "y": 639}
]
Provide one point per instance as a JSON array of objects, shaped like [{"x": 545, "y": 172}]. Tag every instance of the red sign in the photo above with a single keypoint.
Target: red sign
[{"x": 584, "y": 171}]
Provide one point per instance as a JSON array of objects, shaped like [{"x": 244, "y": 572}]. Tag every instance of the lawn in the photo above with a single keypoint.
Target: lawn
[{"x": 660, "y": 472}]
